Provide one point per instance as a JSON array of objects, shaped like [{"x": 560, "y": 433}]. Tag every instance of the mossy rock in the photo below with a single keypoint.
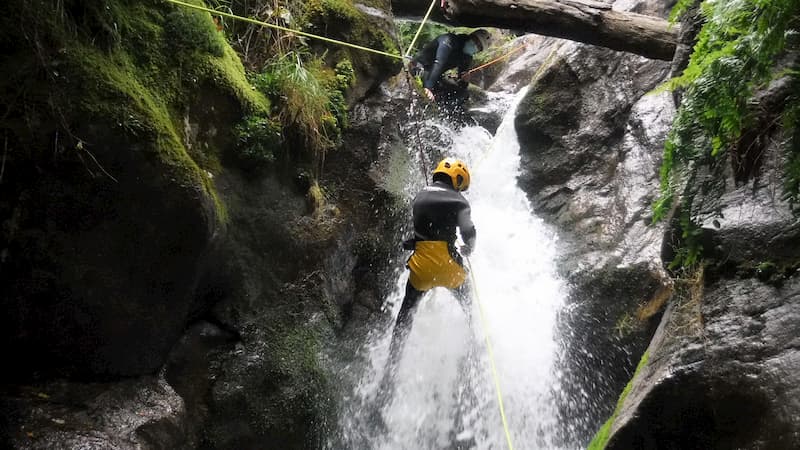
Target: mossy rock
[
  {"x": 110, "y": 202},
  {"x": 342, "y": 20}
]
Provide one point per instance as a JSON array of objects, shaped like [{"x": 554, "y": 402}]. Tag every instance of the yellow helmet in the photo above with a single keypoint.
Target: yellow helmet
[{"x": 456, "y": 170}]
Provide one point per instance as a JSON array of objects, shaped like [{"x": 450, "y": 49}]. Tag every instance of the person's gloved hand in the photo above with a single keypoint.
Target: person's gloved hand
[{"x": 429, "y": 94}]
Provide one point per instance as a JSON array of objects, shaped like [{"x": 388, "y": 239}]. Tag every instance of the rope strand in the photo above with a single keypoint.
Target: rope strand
[
  {"x": 422, "y": 24},
  {"x": 289, "y": 30},
  {"x": 489, "y": 350}
]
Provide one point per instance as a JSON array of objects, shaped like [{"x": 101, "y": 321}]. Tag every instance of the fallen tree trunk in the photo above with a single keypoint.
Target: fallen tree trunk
[{"x": 585, "y": 21}]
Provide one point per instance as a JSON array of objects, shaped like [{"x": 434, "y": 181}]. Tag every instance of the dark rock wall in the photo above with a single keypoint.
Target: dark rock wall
[
  {"x": 591, "y": 142},
  {"x": 722, "y": 373},
  {"x": 226, "y": 281},
  {"x": 137, "y": 413}
]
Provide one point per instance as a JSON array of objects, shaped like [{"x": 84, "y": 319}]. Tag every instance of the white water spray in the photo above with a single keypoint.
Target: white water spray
[{"x": 444, "y": 396}]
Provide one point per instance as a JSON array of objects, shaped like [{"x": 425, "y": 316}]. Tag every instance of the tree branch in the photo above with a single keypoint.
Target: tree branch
[{"x": 584, "y": 21}]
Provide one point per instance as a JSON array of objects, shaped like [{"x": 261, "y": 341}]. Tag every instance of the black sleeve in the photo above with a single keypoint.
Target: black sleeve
[
  {"x": 466, "y": 226},
  {"x": 465, "y": 64},
  {"x": 428, "y": 53},
  {"x": 442, "y": 54}
]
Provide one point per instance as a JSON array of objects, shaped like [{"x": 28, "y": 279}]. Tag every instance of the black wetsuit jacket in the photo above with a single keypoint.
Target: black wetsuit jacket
[
  {"x": 441, "y": 54},
  {"x": 438, "y": 211}
]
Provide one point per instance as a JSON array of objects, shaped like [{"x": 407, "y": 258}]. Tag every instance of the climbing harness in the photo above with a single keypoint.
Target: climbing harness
[
  {"x": 489, "y": 350},
  {"x": 278, "y": 27}
]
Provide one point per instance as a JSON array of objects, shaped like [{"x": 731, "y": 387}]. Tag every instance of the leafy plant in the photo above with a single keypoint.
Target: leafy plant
[
  {"x": 258, "y": 138},
  {"x": 691, "y": 250},
  {"x": 680, "y": 9},
  {"x": 310, "y": 99},
  {"x": 738, "y": 52}
]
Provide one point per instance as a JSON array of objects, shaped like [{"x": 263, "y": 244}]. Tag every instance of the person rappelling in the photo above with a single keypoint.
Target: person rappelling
[
  {"x": 448, "y": 51},
  {"x": 439, "y": 210}
]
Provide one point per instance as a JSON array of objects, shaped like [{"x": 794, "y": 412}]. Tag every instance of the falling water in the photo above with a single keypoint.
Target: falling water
[{"x": 443, "y": 395}]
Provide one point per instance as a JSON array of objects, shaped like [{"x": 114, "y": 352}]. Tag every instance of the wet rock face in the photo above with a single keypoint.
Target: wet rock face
[
  {"x": 102, "y": 279},
  {"x": 724, "y": 366},
  {"x": 747, "y": 227},
  {"x": 145, "y": 413},
  {"x": 723, "y": 372},
  {"x": 99, "y": 275},
  {"x": 287, "y": 273},
  {"x": 591, "y": 145},
  {"x": 601, "y": 340}
]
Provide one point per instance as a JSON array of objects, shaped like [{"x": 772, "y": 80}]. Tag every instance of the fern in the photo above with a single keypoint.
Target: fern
[{"x": 736, "y": 53}]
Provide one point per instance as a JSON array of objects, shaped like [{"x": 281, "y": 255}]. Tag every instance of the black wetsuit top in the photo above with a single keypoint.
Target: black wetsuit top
[
  {"x": 438, "y": 211},
  {"x": 441, "y": 54}
]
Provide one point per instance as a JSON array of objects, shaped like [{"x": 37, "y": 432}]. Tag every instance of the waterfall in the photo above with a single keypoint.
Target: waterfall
[{"x": 444, "y": 396}]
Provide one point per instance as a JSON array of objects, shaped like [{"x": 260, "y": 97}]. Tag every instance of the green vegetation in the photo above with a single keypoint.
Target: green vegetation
[
  {"x": 292, "y": 364},
  {"x": 738, "y": 53},
  {"x": 258, "y": 137},
  {"x": 680, "y": 8},
  {"x": 691, "y": 250},
  {"x": 306, "y": 81},
  {"x": 191, "y": 31},
  {"x": 601, "y": 438},
  {"x": 431, "y": 30},
  {"x": 310, "y": 102},
  {"x": 340, "y": 19},
  {"x": 133, "y": 66}
]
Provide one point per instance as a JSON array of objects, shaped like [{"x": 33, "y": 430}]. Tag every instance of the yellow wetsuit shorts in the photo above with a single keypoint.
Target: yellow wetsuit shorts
[{"x": 432, "y": 266}]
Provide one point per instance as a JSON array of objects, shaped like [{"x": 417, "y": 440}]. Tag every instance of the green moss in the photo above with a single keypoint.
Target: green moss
[
  {"x": 190, "y": 31},
  {"x": 294, "y": 408},
  {"x": 133, "y": 66},
  {"x": 227, "y": 72},
  {"x": 601, "y": 438},
  {"x": 340, "y": 19}
]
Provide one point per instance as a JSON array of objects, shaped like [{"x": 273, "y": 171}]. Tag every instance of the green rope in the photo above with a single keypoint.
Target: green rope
[{"x": 278, "y": 27}]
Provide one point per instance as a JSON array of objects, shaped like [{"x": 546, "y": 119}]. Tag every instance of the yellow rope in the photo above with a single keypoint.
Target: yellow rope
[
  {"x": 278, "y": 27},
  {"x": 491, "y": 356},
  {"x": 422, "y": 24},
  {"x": 481, "y": 314}
]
